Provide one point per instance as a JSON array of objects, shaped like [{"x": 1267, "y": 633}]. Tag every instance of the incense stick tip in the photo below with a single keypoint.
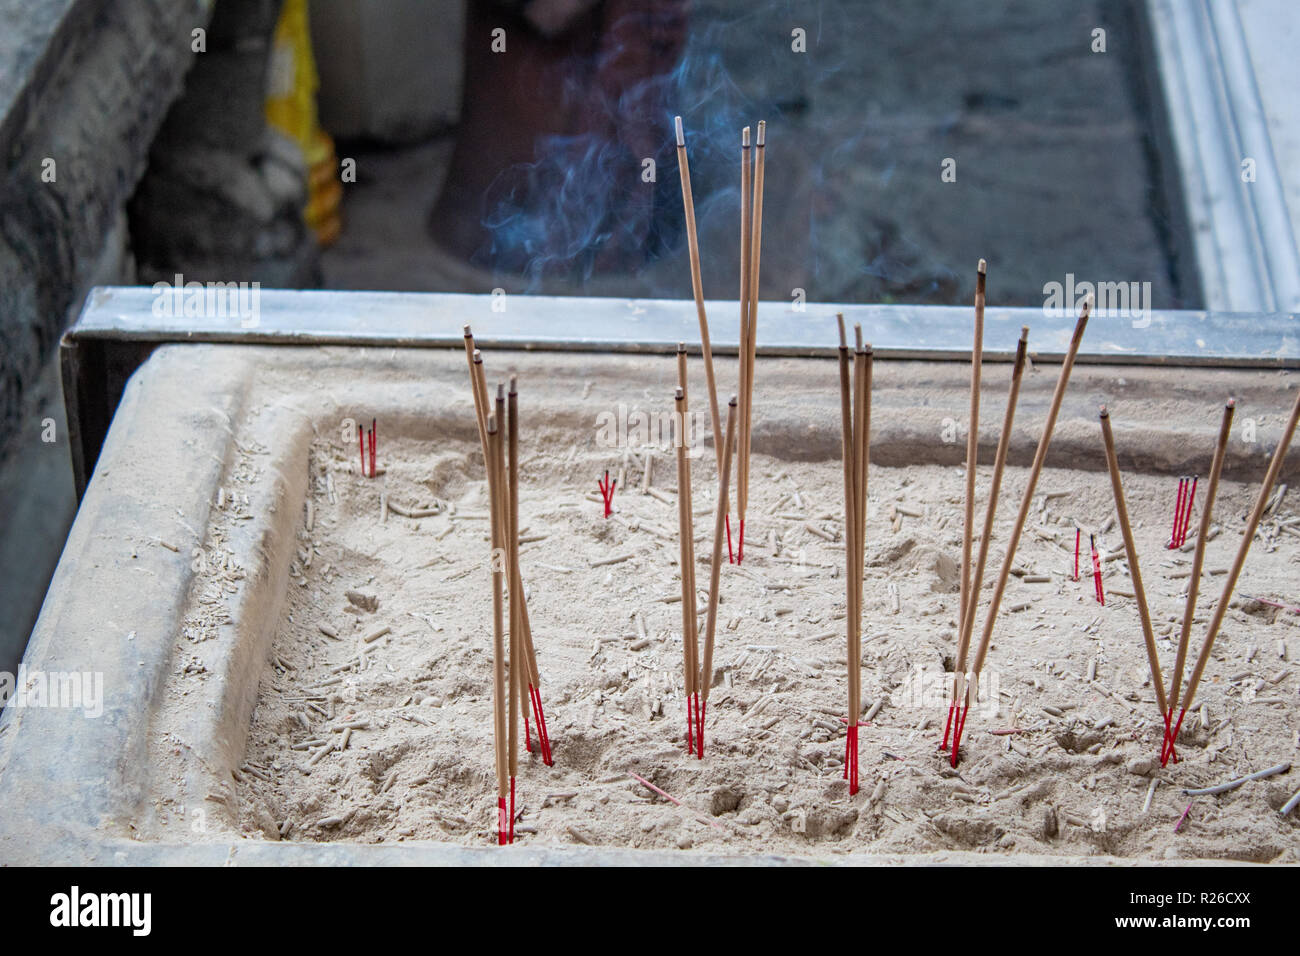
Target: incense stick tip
[
  {"x": 501, "y": 392},
  {"x": 492, "y": 423},
  {"x": 468, "y": 333},
  {"x": 679, "y": 394},
  {"x": 1103, "y": 412},
  {"x": 478, "y": 356},
  {"x": 1024, "y": 333},
  {"x": 744, "y": 138},
  {"x": 732, "y": 402},
  {"x": 681, "y": 347},
  {"x": 514, "y": 384},
  {"x": 762, "y": 132},
  {"x": 1231, "y": 403},
  {"x": 857, "y": 336},
  {"x": 839, "y": 318},
  {"x": 681, "y": 134},
  {"x": 982, "y": 268}
]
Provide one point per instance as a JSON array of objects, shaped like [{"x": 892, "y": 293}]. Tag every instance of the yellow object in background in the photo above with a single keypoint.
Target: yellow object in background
[{"x": 291, "y": 111}]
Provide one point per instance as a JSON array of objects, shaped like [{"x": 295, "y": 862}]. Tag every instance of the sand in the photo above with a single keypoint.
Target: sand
[{"x": 405, "y": 717}]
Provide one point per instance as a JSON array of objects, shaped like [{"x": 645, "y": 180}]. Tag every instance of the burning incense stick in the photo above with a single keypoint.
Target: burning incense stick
[
  {"x": 686, "y": 559},
  {"x": 751, "y": 338},
  {"x": 697, "y": 286},
  {"x": 498, "y": 625},
  {"x": 973, "y": 437},
  {"x": 715, "y": 569},
  {"x": 986, "y": 536},
  {"x": 1252, "y": 525},
  {"x": 1026, "y": 502},
  {"x": 1139, "y": 592},
  {"x": 1198, "y": 561}
]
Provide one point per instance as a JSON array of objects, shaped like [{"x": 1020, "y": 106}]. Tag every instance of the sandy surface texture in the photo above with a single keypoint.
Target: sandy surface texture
[{"x": 373, "y": 722}]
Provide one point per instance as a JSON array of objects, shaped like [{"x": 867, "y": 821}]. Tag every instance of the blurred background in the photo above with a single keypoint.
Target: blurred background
[{"x": 471, "y": 145}]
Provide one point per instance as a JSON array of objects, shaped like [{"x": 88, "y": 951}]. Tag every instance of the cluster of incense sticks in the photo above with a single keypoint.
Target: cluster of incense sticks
[
  {"x": 698, "y": 674},
  {"x": 1180, "y": 698},
  {"x": 855, "y": 445},
  {"x": 361, "y": 443},
  {"x": 607, "y": 492},
  {"x": 1096, "y": 571},
  {"x": 751, "y": 243},
  {"x": 515, "y": 670},
  {"x": 1182, "y": 511},
  {"x": 966, "y": 684}
]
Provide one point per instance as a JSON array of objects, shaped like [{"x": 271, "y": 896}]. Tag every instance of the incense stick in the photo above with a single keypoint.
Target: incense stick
[
  {"x": 848, "y": 450},
  {"x": 480, "y": 412},
  {"x": 518, "y": 657},
  {"x": 972, "y": 437},
  {"x": 715, "y": 569},
  {"x": 755, "y": 253},
  {"x": 1135, "y": 573},
  {"x": 746, "y": 248},
  {"x": 498, "y": 623},
  {"x": 986, "y": 536},
  {"x": 697, "y": 285},
  {"x": 1252, "y": 525},
  {"x": 686, "y": 559},
  {"x": 1198, "y": 557},
  {"x": 1026, "y": 502}
]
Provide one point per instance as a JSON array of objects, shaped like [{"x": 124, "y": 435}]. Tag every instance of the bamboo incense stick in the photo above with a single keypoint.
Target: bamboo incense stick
[
  {"x": 1026, "y": 502},
  {"x": 715, "y": 569},
  {"x": 973, "y": 437},
  {"x": 1252, "y": 525},
  {"x": 755, "y": 254},
  {"x": 848, "y": 447},
  {"x": 862, "y": 368},
  {"x": 986, "y": 536},
  {"x": 518, "y": 665},
  {"x": 480, "y": 412},
  {"x": 692, "y": 636},
  {"x": 1135, "y": 573},
  {"x": 1198, "y": 557},
  {"x": 498, "y": 624},
  {"x": 686, "y": 559},
  {"x": 746, "y": 247},
  {"x": 697, "y": 285}
]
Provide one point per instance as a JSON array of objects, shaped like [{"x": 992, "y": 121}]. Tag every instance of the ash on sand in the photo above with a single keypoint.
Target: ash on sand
[{"x": 415, "y": 704}]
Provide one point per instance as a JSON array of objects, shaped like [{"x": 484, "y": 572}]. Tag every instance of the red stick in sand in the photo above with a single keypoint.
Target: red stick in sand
[
  {"x": 1078, "y": 536},
  {"x": 731, "y": 555},
  {"x": 361, "y": 448},
  {"x": 1178, "y": 513},
  {"x": 1096, "y": 571},
  {"x": 1187, "y": 512},
  {"x": 607, "y": 492},
  {"x": 372, "y": 448}
]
